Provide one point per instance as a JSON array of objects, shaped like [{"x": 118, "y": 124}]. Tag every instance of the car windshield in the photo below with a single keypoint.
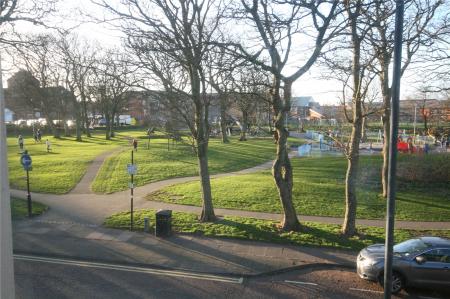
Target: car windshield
[{"x": 410, "y": 246}]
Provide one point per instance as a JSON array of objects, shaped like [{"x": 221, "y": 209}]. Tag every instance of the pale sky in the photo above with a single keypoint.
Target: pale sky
[{"x": 324, "y": 91}]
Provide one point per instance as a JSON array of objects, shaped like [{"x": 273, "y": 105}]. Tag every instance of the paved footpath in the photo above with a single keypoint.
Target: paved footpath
[
  {"x": 82, "y": 206},
  {"x": 66, "y": 240},
  {"x": 84, "y": 186}
]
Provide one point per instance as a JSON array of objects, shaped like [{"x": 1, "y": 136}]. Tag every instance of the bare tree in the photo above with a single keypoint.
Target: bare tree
[
  {"x": 277, "y": 25},
  {"x": 356, "y": 78},
  {"x": 37, "y": 56},
  {"x": 13, "y": 11},
  {"x": 419, "y": 32},
  {"x": 182, "y": 31},
  {"x": 112, "y": 80},
  {"x": 250, "y": 87},
  {"x": 221, "y": 78},
  {"x": 77, "y": 59}
]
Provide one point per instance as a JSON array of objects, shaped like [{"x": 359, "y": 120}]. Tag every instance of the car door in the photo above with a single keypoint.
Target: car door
[{"x": 435, "y": 270}]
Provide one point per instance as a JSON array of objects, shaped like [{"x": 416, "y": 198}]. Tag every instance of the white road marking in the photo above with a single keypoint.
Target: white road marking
[
  {"x": 301, "y": 282},
  {"x": 365, "y": 290},
  {"x": 174, "y": 273}
]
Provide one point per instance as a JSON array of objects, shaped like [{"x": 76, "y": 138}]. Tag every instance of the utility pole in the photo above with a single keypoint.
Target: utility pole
[
  {"x": 132, "y": 170},
  {"x": 7, "y": 287},
  {"x": 392, "y": 168},
  {"x": 132, "y": 194}
]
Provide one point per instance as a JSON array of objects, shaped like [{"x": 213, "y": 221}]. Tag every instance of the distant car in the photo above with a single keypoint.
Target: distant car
[
  {"x": 20, "y": 122},
  {"x": 423, "y": 261}
]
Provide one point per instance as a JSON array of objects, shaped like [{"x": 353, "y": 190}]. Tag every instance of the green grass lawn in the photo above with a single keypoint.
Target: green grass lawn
[
  {"x": 157, "y": 163},
  {"x": 312, "y": 234},
  {"x": 19, "y": 208},
  {"x": 319, "y": 190},
  {"x": 60, "y": 170}
]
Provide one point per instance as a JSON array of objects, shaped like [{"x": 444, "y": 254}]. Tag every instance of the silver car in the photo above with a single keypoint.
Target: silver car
[{"x": 423, "y": 261}]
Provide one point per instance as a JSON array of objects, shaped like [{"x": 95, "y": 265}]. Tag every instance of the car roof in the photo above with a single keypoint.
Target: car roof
[{"x": 436, "y": 241}]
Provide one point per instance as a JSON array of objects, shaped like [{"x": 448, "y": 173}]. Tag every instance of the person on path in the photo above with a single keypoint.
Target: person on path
[
  {"x": 48, "y": 144},
  {"x": 410, "y": 145},
  {"x": 426, "y": 148},
  {"x": 20, "y": 141},
  {"x": 150, "y": 131},
  {"x": 135, "y": 144},
  {"x": 39, "y": 135}
]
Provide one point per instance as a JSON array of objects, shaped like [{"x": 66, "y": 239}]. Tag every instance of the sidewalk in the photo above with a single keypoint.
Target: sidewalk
[{"x": 181, "y": 252}]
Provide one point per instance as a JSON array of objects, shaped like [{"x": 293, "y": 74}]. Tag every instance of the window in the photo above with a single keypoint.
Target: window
[{"x": 438, "y": 255}]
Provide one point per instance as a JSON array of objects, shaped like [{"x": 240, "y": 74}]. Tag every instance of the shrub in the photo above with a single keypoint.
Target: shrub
[{"x": 425, "y": 168}]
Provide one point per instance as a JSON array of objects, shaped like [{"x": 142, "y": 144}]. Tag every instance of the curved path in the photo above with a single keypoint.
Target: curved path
[
  {"x": 82, "y": 206},
  {"x": 84, "y": 185}
]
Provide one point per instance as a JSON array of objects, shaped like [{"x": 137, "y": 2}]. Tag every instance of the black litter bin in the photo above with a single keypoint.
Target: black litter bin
[{"x": 163, "y": 227}]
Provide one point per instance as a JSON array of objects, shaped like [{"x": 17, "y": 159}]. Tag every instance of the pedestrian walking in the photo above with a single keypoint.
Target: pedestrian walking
[
  {"x": 48, "y": 144},
  {"x": 410, "y": 145},
  {"x": 135, "y": 144},
  {"x": 39, "y": 135},
  {"x": 20, "y": 141}
]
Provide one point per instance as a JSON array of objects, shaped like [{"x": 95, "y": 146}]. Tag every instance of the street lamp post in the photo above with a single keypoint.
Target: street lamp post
[
  {"x": 395, "y": 107},
  {"x": 7, "y": 288},
  {"x": 415, "y": 118}
]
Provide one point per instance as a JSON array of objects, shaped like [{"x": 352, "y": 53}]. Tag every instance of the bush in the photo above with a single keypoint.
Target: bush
[{"x": 425, "y": 168}]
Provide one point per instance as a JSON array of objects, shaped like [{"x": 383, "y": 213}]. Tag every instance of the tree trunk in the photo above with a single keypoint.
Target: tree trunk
[
  {"x": 223, "y": 121},
  {"x": 364, "y": 130},
  {"x": 86, "y": 116},
  {"x": 108, "y": 128},
  {"x": 201, "y": 134},
  {"x": 66, "y": 129},
  {"x": 282, "y": 173},
  {"x": 270, "y": 120},
  {"x": 112, "y": 124},
  {"x": 244, "y": 126},
  {"x": 282, "y": 169},
  {"x": 386, "y": 138},
  {"x": 386, "y": 93},
  {"x": 352, "y": 153},
  {"x": 78, "y": 127},
  {"x": 53, "y": 128},
  {"x": 349, "y": 226},
  {"x": 207, "y": 209}
]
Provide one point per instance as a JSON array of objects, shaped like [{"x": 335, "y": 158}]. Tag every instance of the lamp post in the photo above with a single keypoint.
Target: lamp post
[
  {"x": 395, "y": 107},
  {"x": 6, "y": 257},
  {"x": 415, "y": 118}
]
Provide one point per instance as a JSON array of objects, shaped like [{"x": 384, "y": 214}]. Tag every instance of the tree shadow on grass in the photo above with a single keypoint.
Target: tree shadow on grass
[
  {"x": 424, "y": 203},
  {"x": 326, "y": 238},
  {"x": 308, "y": 236},
  {"x": 251, "y": 232}
]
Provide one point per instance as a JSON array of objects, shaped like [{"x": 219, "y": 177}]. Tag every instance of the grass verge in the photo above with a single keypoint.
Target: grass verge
[
  {"x": 59, "y": 170},
  {"x": 158, "y": 163},
  {"x": 313, "y": 234},
  {"x": 19, "y": 208},
  {"x": 319, "y": 190}
]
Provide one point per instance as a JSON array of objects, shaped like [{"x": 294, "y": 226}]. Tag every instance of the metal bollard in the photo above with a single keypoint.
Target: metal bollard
[{"x": 146, "y": 225}]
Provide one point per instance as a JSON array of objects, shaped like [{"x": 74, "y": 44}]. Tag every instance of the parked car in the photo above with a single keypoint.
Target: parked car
[{"x": 423, "y": 261}]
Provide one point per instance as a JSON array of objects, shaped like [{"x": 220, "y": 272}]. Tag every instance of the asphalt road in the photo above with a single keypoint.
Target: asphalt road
[{"x": 54, "y": 278}]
